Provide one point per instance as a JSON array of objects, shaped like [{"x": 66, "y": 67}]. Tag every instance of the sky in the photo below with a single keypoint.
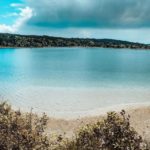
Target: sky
[{"x": 114, "y": 19}]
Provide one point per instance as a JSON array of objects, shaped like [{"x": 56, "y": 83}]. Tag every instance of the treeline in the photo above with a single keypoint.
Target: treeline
[{"x": 14, "y": 40}]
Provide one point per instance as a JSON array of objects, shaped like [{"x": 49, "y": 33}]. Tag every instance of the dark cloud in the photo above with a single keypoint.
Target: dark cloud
[{"x": 91, "y": 13}]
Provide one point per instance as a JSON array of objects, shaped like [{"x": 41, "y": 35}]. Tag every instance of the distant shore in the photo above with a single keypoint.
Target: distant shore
[
  {"x": 35, "y": 41},
  {"x": 118, "y": 48}
]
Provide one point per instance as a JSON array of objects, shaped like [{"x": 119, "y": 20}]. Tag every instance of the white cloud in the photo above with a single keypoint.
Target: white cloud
[
  {"x": 5, "y": 28},
  {"x": 24, "y": 15},
  {"x": 16, "y": 5},
  {"x": 10, "y": 15}
]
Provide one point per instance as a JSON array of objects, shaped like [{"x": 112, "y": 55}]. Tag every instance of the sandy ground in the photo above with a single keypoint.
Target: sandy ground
[
  {"x": 140, "y": 120},
  {"x": 73, "y": 102}
]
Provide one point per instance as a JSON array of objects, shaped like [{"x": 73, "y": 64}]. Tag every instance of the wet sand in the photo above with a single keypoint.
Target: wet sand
[{"x": 75, "y": 102}]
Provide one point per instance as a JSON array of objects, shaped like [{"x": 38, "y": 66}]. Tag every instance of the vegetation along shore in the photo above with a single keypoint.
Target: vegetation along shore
[{"x": 15, "y": 40}]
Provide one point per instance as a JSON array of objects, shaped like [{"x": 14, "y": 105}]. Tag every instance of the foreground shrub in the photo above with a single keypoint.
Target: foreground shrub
[
  {"x": 26, "y": 132},
  {"x": 21, "y": 131},
  {"x": 114, "y": 133}
]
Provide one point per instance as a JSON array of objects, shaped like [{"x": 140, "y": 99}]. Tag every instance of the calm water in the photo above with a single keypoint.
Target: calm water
[{"x": 28, "y": 74}]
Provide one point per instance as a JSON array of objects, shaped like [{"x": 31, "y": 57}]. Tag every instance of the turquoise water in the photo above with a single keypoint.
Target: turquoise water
[
  {"x": 75, "y": 67},
  {"x": 70, "y": 68}
]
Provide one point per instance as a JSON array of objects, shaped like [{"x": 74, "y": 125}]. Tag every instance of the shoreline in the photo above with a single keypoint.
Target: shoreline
[
  {"x": 88, "y": 113},
  {"x": 115, "y": 48},
  {"x": 48, "y": 41},
  {"x": 139, "y": 119},
  {"x": 72, "y": 103}
]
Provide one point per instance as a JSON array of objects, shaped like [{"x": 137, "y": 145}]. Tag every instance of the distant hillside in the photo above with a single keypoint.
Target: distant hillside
[{"x": 14, "y": 40}]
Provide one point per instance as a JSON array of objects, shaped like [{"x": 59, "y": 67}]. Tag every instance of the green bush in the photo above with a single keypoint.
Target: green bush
[
  {"x": 25, "y": 131},
  {"x": 113, "y": 133},
  {"x": 21, "y": 131}
]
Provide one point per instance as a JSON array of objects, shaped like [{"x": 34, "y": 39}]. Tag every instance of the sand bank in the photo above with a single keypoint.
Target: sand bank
[
  {"x": 140, "y": 120},
  {"x": 76, "y": 102}
]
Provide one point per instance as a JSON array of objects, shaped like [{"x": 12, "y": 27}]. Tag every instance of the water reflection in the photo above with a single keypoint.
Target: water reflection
[{"x": 74, "y": 66}]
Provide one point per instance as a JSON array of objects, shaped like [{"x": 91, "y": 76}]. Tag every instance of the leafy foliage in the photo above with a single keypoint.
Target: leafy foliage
[
  {"x": 114, "y": 133},
  {"x": 20, "y": 131},
  {"x": 14, "y": 40}
]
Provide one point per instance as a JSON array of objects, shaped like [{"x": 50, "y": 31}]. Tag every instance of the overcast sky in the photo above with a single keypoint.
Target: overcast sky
[{"x": 118, "y": 19}]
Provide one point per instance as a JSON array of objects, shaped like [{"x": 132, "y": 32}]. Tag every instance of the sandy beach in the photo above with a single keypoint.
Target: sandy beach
[
  {"x": 76, "y": 107},
  {"x": 75, "y": 102},
  {"x": 140, "y": 120}
]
